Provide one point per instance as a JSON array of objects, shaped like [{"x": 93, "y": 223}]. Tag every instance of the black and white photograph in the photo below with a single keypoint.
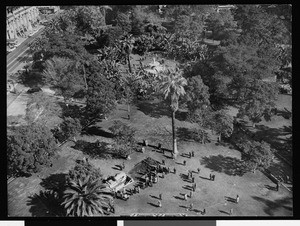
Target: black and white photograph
[{"x": 149, "y": 111}]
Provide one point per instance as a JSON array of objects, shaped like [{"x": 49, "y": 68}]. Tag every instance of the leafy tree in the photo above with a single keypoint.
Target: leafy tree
[
  {"x": 197, "y": 94},
  {"x": 123, "y": 21},
  {"x": 40, "y": 107},
  {"x": 100, "y": 96},
  {"x": 30, "y": 149},
  {"x": 222, "y": 124},
  {"x": 71, "y": 127},
  {"x": 61, "y": 73},
  {"x": 123, "y": 134},
  {"x": 259, "y": 100},
  {"x": 82, "y": 169},
  {"x": 259, "y": 156},
  {"x": 141, "y": 16},
  {"x": 87, "y": 197},
  {"x": 172, "y": 85}
]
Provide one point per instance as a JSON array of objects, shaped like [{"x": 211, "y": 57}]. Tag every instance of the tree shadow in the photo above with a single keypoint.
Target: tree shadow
[
  {"x": 222, "y": 211},
  {"x": 177, "y": 197},
  {"x": 155, "y": 197},
  {"x": 96, "y": 131},
  {"x": 152, "y": 204},
  {"x": 230, "y": 199},
  {"x": 154, "y": 109},
  {"x": 94, "y": 151},
  {"x": 46, "y": 204},
  {"x": 225, "y": 164},
  {"x": 272, "y": 206},
  {"x": 55, "y": 183},
  {"x": 272, "y": 136},
  {"x": 30, "y": 79}
]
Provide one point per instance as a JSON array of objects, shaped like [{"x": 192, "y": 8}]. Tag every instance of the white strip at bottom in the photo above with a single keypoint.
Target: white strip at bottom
[
  {"x": 120, "y": 223},
  {"x": 257, "y": 222}
]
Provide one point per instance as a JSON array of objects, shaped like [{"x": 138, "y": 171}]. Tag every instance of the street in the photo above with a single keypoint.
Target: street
[{"x": 18, "y": 57}]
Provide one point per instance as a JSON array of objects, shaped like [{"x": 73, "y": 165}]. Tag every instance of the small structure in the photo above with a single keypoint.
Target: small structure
[{"x": 119, "y": 181}]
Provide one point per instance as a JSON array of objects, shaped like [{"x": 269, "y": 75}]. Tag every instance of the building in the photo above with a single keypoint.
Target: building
[
  {"x": 225, "y": 7},
  {"x": 21, "y": 21},
  {"x": 48, "y": 9}
]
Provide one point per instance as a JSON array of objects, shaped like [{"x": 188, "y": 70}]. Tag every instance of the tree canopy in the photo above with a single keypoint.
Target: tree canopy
[{"x": 29, "y": 149}]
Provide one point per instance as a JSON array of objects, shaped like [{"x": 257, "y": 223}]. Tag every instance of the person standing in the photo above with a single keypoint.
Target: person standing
[
  {"x": 231, "y": 212},
  {"x": 191, "y": 193},
  {"x": 184, "y": 162},
  {"x": 198, "y": 169},
  {"x": 174, "y": 170},
  {"x": 159, "y": 203},
  {"x": 237, "y": 199},
  {"x": 160, "y": 196},
  {"x": 185, "y": 197},
  {"x": 203, "y": 212},
  {"x": 191, "y": 207}
]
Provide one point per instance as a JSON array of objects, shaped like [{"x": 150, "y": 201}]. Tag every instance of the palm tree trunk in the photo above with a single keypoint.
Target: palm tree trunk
[
  {"x": 175, "y": 151},
  {"x": 129, "y": 65}
]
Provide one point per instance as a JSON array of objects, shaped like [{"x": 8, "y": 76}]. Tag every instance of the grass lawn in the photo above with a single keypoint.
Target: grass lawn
[{"x": 255, "y": 190}]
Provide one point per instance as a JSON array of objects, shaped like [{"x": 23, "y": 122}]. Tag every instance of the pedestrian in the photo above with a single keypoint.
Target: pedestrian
[
  {"x": 143, "y": 150},
  {"x": 193, "y": 179},
  {"x": 168, "y": 169},
  {"x": 174, "y": 170},
  {"x": 210, "y": 176},
  {"x": 237, "y": 199},
  {"x": 194, "y": 187},
  {"x": 163, "y": 162},
  {"x": 160, "y": 196},
  {"x": 231, "y": 212},
  {"x": 191, "y": 207},
  {"x": 193, "y": 154},
  {"x": 185, "y": 197},
  {"x": 184, "y": 162},
  {"x": 213, "y": 177},
  {"x": 159, "y": 203},
  {"x": 198, "y": 169},
  {"x": 138, "y": 189},
  {"x": 190, "y": 155},
  {"x": 159, "y": 146},
  {"x": 191, "y": 174},
  {"x": 203, "y": 212},
  {"x": 277, "y": 186},
  {"x": 191, "y": 193},
  {"x": 123, "y": 166}
]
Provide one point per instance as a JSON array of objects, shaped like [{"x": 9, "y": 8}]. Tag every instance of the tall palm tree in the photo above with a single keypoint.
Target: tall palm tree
[
  {"x": 172, "y": 84},
  {"x": 87, "y": 197}
]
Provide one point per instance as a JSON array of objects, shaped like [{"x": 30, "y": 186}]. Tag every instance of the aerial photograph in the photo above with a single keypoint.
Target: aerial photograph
[{"x": 149, "y": 111}]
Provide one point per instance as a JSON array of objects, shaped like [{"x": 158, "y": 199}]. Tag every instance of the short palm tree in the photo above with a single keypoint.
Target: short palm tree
[
  {"x": 86, "y": 197},
  {"x": 172, "y": 84}
]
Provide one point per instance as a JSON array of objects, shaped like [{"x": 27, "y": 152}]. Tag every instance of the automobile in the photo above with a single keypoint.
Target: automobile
[
  {"x": 10, "y": 49},
  {"x": 34, "y": 90}
]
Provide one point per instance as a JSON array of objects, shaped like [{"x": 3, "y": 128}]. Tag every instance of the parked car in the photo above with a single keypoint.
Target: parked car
[
  {"x": 10, "y": 49},
  {"x": 34, "y": 90}
]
